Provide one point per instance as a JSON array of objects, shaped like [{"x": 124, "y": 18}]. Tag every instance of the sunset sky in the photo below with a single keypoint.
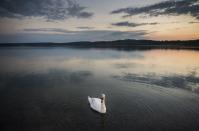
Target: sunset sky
[{"x": 94, "y": 20}]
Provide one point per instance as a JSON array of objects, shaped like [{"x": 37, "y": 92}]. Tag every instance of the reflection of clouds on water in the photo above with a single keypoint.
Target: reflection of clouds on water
[
  {"x": 65, "y": 63},
  {"x": 188, "y": 82},
  {"x": 53, "y": 77},
  {"x": 125, "y": 65},
  {"x": 49, "y": 88},
  {"x": 40, "y": 60}
]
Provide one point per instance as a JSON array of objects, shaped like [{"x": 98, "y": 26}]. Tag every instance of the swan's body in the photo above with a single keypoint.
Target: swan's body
[{"x": 98, "y": 104}]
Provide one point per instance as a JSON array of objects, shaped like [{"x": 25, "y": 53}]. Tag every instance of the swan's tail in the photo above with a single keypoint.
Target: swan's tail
[{"x": 89, "y": 99}]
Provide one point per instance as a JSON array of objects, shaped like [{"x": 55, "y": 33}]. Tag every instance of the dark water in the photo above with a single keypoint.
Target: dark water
[{"x": 46, "y": 89}]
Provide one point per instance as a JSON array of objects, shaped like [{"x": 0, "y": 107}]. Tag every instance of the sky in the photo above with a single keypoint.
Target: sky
[{"x": 60, "y": 21}]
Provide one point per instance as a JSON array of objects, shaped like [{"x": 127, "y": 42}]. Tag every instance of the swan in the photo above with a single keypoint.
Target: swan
[{"x": 98, "y": 104}]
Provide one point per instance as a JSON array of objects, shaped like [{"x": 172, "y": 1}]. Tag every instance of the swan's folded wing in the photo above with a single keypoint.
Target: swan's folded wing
[{"x": 95, "y": 103}]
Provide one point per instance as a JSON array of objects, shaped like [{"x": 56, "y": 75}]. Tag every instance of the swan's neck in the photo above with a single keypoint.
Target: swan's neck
[
  {"x": 103, "y": 101},
  {"x": 103, "y": 107}
]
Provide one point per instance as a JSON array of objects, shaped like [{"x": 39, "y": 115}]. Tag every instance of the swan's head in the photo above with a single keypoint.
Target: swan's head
[{"x": 103, "y": 96}]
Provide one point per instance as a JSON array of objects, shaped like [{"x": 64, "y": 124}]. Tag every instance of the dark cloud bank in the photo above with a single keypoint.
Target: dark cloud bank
[
  {"x": 62, "y": 35},
  {"x": 131, "y": 24},
  {"x": 48, "y": 9},
  {"x": 171, "y": 7}
]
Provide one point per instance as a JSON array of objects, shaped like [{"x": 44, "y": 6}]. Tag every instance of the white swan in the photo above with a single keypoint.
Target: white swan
[{"x": 98, "y": 104}]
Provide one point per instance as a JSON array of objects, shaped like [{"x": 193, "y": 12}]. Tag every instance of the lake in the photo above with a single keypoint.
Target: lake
[{"x": 46, "y": 89}]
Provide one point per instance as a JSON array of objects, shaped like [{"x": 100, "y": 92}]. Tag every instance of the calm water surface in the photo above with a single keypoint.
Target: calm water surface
[{"x": 46, "y": 89}]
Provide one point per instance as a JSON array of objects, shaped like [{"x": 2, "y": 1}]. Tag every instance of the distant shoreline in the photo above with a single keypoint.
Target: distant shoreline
[{"x": 118, "y": 44}]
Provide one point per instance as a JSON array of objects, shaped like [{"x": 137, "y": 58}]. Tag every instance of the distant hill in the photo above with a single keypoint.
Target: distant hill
[{"x": 118, "y": 44}]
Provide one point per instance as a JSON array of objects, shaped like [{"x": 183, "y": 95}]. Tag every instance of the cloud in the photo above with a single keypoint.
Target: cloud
[
  {"x": 61, "y": 35},
  {"x": 48, "y": 30},
  {"x": 48, "y": 9},
  {"x": 193, "y": 22},
  {"x": 58, "y": 30},
  {"x": 85, "y": 27},
  {"x": 128, "y": 24},
  {"x": 171, "y": 7},
  {"x": 119, "y": 35}
]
